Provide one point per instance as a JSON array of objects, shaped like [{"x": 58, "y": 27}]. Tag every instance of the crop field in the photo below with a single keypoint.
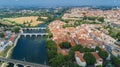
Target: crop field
[{"x": 28, "y": 21}]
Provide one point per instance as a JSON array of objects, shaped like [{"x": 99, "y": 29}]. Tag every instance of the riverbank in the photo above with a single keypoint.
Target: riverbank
[{"x": 10, "y": 51}]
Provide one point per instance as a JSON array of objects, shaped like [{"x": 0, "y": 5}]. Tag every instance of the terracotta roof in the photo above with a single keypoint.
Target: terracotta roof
[
  {"x": 78, "y": 54},
  {"x": 96, "y": 56},
  {"x": 11, "y": 39}
]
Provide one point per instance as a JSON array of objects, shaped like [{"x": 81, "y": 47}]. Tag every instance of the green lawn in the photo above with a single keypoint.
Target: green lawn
[{"x": 4, "y": 53}]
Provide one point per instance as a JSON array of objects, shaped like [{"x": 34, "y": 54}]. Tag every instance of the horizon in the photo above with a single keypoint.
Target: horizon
[{"x": 57, "y": 3}]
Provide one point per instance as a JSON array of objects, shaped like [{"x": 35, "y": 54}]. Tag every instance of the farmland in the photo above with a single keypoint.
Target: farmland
[{"x": 27, "y": 21}]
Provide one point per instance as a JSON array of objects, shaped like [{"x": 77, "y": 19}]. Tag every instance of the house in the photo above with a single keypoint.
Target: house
[
  {"x": 11, "y": 41},
  {"x": 115, "y": 52},
  {"x": 2, "y": 43},
  {"x": 79, "y": 59},
  {"x": 99, "y": 60}
]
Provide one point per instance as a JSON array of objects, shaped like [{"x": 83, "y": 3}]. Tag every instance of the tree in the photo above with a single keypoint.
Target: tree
[
  {"x": 51, "y": 49},
  {"x": 99, "y": 66},
  {"x": 97, "y": 48},
  {"x": 65, "y": 45},
  {"x": 118, "y": 36},
  {"x": 67, "y": 58},
  {"x": 88, "y": 50},
  {"x": 103, "y": 54},
  {"x": 58, "y": 61},
  {"x": 115, "y": 61},
  {"x": 101, "y": 19},
  {"x": 2, "y": 35},
  {"x": 70, "y": 64},
  {"x": 50, "y": 35},
  {"x": 16, "y": 29},
  {"x": 73, "y": 49},
  {"x": 90, "y": 59}
]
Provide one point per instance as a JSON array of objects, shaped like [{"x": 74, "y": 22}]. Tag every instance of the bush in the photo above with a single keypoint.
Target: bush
[
  {"x": 90, "y": 59},
  {"x": 2, "y": 35},
  {"x": 16, "y": 29},
  {"x": 115, "y": 61},
  {"x": 51, "y": 49},
  {"x": 65, "y": 45},
  {"x": 103, "y": 54}
]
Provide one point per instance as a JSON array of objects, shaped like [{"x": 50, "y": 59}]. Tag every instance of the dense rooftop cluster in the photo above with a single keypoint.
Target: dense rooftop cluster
[
  {"x": 86, "y": 34},
  {"x": 111, "y": 16}
]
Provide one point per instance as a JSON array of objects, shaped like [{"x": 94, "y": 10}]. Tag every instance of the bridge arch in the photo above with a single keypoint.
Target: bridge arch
[{"x": 25, "y": 63}]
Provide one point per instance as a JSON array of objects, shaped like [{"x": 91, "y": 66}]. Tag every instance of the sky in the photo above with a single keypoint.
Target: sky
[{"x": 59, "y": 3}]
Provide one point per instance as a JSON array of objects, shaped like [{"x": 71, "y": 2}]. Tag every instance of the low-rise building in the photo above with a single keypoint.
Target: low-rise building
[
  {"x": 11, "y": 41},
  {"x": 79, "y": 59},
  {"x": 99, "y": 60},
  {"x": 115, "y": 52}
]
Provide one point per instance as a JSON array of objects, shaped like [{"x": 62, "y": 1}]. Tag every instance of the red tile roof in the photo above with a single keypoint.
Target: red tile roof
[
  {"x": 96, "y": 56},
  {"x": 11, "y": 39},
  {"x": 78, "y": 54}
]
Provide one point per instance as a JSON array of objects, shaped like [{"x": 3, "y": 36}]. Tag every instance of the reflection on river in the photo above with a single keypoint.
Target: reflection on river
[{"x": 31, "y": 49}]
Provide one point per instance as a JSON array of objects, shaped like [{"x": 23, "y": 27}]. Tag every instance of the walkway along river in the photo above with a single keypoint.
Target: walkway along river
[{"x": 31, "y": 49}]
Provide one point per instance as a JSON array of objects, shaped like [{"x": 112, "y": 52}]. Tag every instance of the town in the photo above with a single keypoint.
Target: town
[
  {"x": 89, "y": 28},
  {"x": 71, "y": 37}
]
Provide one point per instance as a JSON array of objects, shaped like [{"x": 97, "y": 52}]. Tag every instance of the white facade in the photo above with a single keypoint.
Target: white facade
[
  {"x": 10, "y": 43},
  {"x": 98, "y": 62},
  {"x": 79, "y": 62}
]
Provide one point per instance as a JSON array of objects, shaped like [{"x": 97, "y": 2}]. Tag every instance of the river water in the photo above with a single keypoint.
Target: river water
[{"x": 31, "y": 49}]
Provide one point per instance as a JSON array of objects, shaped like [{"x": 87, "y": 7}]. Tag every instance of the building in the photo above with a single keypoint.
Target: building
[
  {"x": 99, "y": 60},
  {"x": 2, "y": 43},
  {"x": 115, "y": 53},
  {"x": 79, "y": 59},
  {"x": 11, "y": 41}
]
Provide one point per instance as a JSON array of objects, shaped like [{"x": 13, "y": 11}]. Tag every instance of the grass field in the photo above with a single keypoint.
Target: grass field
[
  {"x": 28, "y": 21},
  {"x": 4, "y": 53}
]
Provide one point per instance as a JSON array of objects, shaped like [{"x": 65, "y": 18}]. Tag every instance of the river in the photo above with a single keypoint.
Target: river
[{"x": 31, "y": 49}]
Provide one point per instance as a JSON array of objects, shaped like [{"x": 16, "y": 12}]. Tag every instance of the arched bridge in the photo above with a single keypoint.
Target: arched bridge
[
  {"x": 24, "y": 63},
  {"x": 35, "y": 28},
  {"x": 35, "y": 34}
]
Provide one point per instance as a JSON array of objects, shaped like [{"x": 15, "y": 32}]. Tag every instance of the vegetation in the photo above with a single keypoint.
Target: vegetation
[
  {"x": 99, "y": 66},
  {"x": 89, "y": 18},
  {"x": 4, "y": 53},
  {"x": 115, "y": 61},
  {"x": 118, "y": 36},
  {"x": 2, "y": 35},
  {"x": 16, "y": 29},
  {"x": 103, "y": 54},
  {"x": 98, "y": 48},
  {"x": 113, "y": 32},
  {"x": 50, "y": 35},
  {"x": 51, "y": 49},
  {"x": 89, "y": 58},
  {"x": 70, "y": 64},
  {"x": 65, "y": 45},
  {"x": 11, "y": 23},
  {"x": 84, "y": 21},
  {"x": 57, "y": 61},
  {"x": 79, "y": 48},
  {"x": 100, "y": 19}
]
